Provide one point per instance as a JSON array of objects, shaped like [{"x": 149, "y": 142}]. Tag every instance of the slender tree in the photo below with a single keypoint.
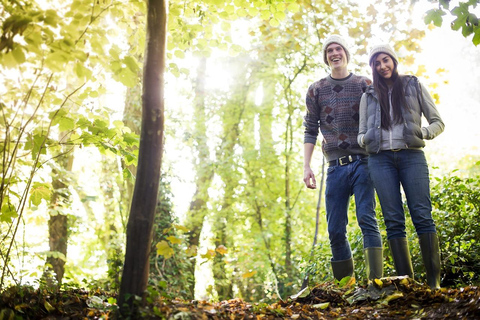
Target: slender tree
[
  {"x": 203, "y": 167},
  {"x": 140, "y": 222},
  {"x": 58, "y": 222}
]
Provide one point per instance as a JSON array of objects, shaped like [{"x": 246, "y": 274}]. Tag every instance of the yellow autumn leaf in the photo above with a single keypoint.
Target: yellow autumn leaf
[
  {"x": 409, "y": 60},
  {"x": 181, "y": 228},
  {"x": 49, "y": 307},
  {"x": 174, "y": 240},
  {"x": 421, "y": 70},
  {"x": 249, "y": 274},
  {"x": 393, "y": 296},
  {"x": 191, "y": 251},
  {"x": 322, "y": 306},
  {"x": 221, "y": 249},
  {"x": 209, "y": 254},
  {"x": 163, "y": 249}
]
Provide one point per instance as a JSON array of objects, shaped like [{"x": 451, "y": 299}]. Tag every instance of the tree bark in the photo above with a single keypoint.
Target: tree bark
[
  {"x": 58, "y": 223},
  {"x": 203, "y": 168},
  {"x": 144, "y": 201},
  {"x": 235, "y": 109}
]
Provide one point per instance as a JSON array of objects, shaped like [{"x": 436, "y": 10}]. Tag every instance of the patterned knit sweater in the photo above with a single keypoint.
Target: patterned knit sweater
[{"x": 333, "y": 105}]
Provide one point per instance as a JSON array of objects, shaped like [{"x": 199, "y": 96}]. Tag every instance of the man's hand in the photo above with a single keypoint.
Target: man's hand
[{"x": 309, "y": 178}]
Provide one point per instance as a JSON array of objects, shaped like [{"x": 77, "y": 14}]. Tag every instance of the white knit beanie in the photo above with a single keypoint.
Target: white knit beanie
[
  {"x": 384, "y": 48},
  {"x": 335, "y": 38}
]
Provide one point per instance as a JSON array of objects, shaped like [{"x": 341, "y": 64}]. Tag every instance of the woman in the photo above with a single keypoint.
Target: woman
[{"x": 391, "y": 132}]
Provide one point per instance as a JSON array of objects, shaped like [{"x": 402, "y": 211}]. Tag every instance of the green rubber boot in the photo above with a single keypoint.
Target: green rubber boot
[
  {"x": 342, "y": 269},
  {"x": 431, "y": 258},
  {"x": 401, "y": 257},
  {"x": 374, "y": 262}
]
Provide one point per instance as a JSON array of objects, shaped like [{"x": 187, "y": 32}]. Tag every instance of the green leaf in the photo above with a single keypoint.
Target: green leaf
[
  {"x": 241, "y": 13},
  {"x": 51, "y": 18},
  {"x": 476, "y": 41},
  {"x": 130, "y": 138},
  {"x": 81, "y": 71},
  {"x": 38, "y": 192},
  {"x": 293, "y": 7},
  {"x": 38, "y": 145},
  {"x": 274, "y": 22},
  {"x": 127, "y": 77},
  {"x": 280, "y": 15},
  {"x": 8, "y": 60},
  {"x": 265, "y": 14},
  {"x": 180, "y": 54},
  {"x": 252, "y": 11},
  {"x": 434, "y": 16},
  {"x": 66, "y": 124},
  {"x": 229, "y": 9},
  {"x": 8, "y": 212},
  {"x": 57, "y": 114},
  {"x": 445, "y": 3},
  {"x": 18, "y": 54},
  {"x": 467, "y": 30},
  {"x": 461, "y": 12},
  {"x": 131, "y": 63},
  {"x": 56, "y": 61}
]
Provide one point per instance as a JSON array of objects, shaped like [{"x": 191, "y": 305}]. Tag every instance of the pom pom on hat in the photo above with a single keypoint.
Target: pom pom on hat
[
  {"x": 383, "y": 48},
  {"x": 335, "y": 38}
]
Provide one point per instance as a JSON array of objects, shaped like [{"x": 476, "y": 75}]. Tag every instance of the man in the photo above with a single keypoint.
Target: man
[{"x": 333, "y": 105}]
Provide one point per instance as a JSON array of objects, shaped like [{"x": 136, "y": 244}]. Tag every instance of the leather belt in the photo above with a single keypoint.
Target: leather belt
[{"x": 342, "y": 161}]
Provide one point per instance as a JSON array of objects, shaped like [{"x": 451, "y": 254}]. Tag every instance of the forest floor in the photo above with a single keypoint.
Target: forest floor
[{"x": 388, "y": 298}]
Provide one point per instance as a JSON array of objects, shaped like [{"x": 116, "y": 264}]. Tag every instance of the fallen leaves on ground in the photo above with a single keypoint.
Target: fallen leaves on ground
[{"x": 386, "y": 298}]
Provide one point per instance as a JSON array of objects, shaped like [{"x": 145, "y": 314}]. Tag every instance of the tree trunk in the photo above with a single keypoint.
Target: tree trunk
[
  {"x": 223, "y": 285},
  {"x": 203, "y": 168},
  {"x": 58, "y": 223},
  {"x": 235, "y": 110},
  {"x": 110, "y": 235},
  {"x": 144, "y": 201}
]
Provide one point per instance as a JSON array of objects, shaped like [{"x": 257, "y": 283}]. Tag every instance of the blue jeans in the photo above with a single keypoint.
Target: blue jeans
[
  {"x": 342, "y": 183},
  {"x": 409, "y": 168}
]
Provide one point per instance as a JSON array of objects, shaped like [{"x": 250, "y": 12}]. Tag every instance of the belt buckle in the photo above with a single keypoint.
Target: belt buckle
[{"x": 340, "y": 160}]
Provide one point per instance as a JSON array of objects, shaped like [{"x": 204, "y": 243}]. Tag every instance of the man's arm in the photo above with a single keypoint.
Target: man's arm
[{"x": 308, "y": 176}]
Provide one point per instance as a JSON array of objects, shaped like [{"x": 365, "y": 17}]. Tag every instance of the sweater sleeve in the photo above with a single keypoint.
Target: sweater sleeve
[
  {"x": 432, "y": 115},
  {"x": 312, "y": 117},
  {"x": 362, "y": 127}
]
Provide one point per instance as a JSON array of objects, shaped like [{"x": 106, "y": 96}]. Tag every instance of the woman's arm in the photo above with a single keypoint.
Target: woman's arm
[
  {"x": 432, "y": 115},
  {"x": 362, "y": 128}
]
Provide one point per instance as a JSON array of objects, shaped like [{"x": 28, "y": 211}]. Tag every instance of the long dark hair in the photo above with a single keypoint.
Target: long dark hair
[{"x": 398, "y": 95}]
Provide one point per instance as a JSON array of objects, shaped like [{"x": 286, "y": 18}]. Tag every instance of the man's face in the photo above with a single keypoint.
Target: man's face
[{"x": 336, "y": 56}]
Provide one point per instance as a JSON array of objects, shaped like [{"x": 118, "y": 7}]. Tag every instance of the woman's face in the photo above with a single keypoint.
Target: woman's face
[{"x": 384, "y": 66}]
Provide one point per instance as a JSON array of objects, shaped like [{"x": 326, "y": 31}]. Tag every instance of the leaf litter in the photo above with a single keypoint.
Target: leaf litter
[{"x": 386, "y": 298}]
